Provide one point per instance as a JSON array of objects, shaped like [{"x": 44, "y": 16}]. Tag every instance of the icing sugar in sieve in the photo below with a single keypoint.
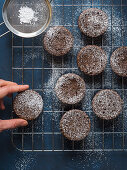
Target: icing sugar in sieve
[{"x": 28, "y": 18}]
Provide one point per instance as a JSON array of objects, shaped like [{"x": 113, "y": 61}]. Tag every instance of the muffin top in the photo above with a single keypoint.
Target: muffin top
[
  {"x": 93, "y": 22},
  {"x": 118, "y": 61},
  {"x": 107, "y": 104},
  {"x": 91, "y": 60},
  {"x": 70, "y": 88},
  {"x": 58, "y": 41},
  {"x": 28, "y": 104},
  {"x": 75, "y": 125}
]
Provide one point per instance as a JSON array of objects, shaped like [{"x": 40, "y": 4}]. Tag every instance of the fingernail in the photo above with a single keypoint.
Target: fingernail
[
  {"x": 24, "y": 123},
  {"x": 26, "y": 85}
]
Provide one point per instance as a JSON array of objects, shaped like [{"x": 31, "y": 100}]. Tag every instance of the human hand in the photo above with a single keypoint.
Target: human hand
[{"x": 6, "y": 89}]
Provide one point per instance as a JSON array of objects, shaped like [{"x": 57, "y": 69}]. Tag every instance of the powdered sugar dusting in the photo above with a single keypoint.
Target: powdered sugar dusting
[
  {"x": 58, "y": 40},
  {"x": 70, "y": 88},
  {"x": 75, "y": 124},
  {"x": 25, "y": 161},
  {"x": 28, "y": 104},
  {"x": 93, "y": 22},
  {"x": 107, "y": 104},
  {"x": 53, "y": 76},
  {"x": 90, "y": 160},
  {"x": 119, "y": 61},
  {"x": 92, "y": 60}
]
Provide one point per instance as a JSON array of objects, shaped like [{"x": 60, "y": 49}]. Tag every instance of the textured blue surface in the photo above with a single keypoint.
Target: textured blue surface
[{"x": 11, "y": 159}]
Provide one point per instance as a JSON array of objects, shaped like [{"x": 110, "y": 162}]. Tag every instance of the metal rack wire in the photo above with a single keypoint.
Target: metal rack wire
[{"x": 31, "y": 64}]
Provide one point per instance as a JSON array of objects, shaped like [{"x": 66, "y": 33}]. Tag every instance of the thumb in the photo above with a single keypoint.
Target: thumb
[{"x": 12, "y": 123}]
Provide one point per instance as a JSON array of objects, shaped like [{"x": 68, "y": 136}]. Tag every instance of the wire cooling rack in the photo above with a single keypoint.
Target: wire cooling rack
[{"x": 32, "y": 65}]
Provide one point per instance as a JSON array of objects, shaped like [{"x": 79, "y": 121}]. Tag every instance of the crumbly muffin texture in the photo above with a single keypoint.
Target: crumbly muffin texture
[
  {"x": 58, "y": 41},
  {"x": 70, "y": 88},
  {"x": 92, "y": 60},
  {"x": 93, "y": 22},
  {"x": 107, "y": 104},
  {"x": 75, "y": 125},
  {"x": 28, "y": 104},
  {"x": 118, "y": 61}
]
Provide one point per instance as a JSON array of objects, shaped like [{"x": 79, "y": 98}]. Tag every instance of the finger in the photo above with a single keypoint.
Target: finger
[
  {"x": 6, "y": 83},
  {"x": 11, "y": 84},
  {"x": 9, "y": 95},
  {"x": 12, "y": 124},
  {"x": 2, "y": 104},
  {"x": 4, "y": 91}
]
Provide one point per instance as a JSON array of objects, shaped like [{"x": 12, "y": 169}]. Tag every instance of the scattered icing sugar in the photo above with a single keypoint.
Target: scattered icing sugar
[
  {"x": 92, "y": 60},
  {"x": 70, "y": 88},
  {"x": 58, "y": 41},
  {"x": 107, "y": 104},
  {"x": 25, "y": 161},
  {"x": 53, "y": 76},
  {"x": 90, "y": 160},
  {"x": 28, "y": 104},
  {"x": 75, "y": 124},
  {"x": 93, "y": 22},
  {"x": 27, "y": 15},
  {"x": 119, "y": 61}
]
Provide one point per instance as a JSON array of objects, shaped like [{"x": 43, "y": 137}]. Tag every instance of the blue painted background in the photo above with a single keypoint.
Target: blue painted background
[{"x": 11, "y": 159}]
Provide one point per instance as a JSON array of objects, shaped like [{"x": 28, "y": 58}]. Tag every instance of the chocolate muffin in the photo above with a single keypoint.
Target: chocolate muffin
[
  {"x": 28, "y": 104},
  {"x": 93, "y": 22},
  {"x": 118, "y": 61},
  {"x": 70, "y": 88},
  {"x": 75, "y": 125},
  {"x": 58, "y": 41},
  {"x": 91, "y": 60},
  {"x": 107, "y": 104}
]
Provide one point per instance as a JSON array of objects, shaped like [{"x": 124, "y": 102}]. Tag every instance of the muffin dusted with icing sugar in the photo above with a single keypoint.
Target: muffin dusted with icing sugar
[
  {"x": 75, "y": 125},
  {"x": 118, "y": 61},
  {"x": 58, "y": 41},
  {"x": 93, "y": 22},
  {"x": 28, "y": 104},
  {"x": 107, "y": 104},
  {"x": 92, "y": 60},
  {"x": 70, "y": 88}
]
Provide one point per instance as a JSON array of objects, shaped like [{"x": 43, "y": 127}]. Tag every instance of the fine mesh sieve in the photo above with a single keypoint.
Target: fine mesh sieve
[{"x": 36, "y": 13}]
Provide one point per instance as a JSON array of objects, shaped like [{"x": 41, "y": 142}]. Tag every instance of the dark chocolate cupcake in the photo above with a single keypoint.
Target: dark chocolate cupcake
[
  {"x": 91, "y": 60},
  {"x": 70, "y": 88},
  {"x": 28, "y": 104},
  {"x": 93, "y": 22},
  {"x": 58, "y": 41},
  {"x": 118, "y": 61},
  {"x": 107, "y": 104},
  {"x": 75, "y": 125}
]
